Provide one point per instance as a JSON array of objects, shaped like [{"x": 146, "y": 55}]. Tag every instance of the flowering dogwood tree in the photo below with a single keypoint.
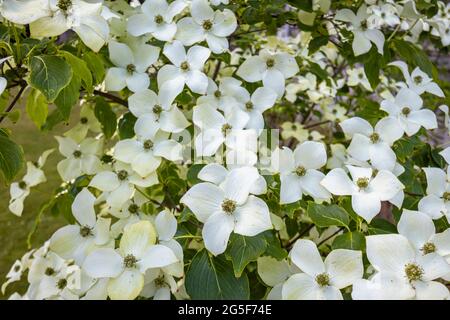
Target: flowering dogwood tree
[{"x": 275, "y": 149}]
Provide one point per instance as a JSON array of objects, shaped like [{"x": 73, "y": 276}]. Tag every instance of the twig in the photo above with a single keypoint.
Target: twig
[
  {"x": 329, "y": 237},
  {"x": 316, "y": 124},
  {"x": 13, "y": 103},
  {"x": 216, "y": 70},
  {"x": 298, "y": 236},
  {"x": 112, "y": 97}
]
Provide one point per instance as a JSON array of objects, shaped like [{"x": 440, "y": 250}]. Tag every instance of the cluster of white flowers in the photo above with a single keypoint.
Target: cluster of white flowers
[{"x": 115, "y": 249}]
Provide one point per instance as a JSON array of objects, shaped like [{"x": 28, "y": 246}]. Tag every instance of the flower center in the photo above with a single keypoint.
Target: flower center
[
  {"x": 364, "y": 25},
  {"x": 77, "y": 154},
  {"x": 85, "y": 231},
  {"x": 383, "y": 15},
  {"x": 270, "y": 63},
  {"x": 406, "y": 111},
  {"x": 157, "y": 109},
  {"x": 446, "y": 196},
  {"x": 84, "y": 120},
  {"x": 133, "y": 208},
  {"x": 64, "y": 5},
  {"x": 249, "y": 105},
  {"x": 131, "y": 68},
  {"x": 323, "y": 279},
  {"x": 129, "y": 261},
  {"x": 148, "y": 144},
  {"x": 62, "y": 283},
  {"x": 362, "y": 183},
  {"x": 106, "y": 158},
  {"x": 207, "y": 25},
  {"x": 300, "y": 171},
  {"x": 228, "y": 206},
  {"x": 22, "y": 185},
  {"x": 413, "y": 272},
  {"x": 160, "y": 282},
  {"x": 428, "y": 247},
  {"x": 217, "y": 94},
  {"x": 159, "y": 19},
  {"x": 49, "y": 271},
  {"x": 374, "y": 137},
  {"x": 184, "y": 66},
  {"x": 418, "y": 79},
  {"x": 122, "y": 175},
  {"x": 225, "y": 128},
  {"x": 360, "y": 76}
]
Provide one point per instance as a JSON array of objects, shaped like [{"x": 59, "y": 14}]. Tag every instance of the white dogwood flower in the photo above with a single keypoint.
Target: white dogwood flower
[
  {"x": 402, "y": 272},
  {"x": 357, "y": 76},
  {"x": 76, "y": 241},
  {"x": 223, "y": 97},
  {"x": 228, "y": 208},
  {"x": 186, "y": 68},
  {"x": 126, "y": 267},
  {"x": 156, "y": 19},
  {"x": 437, "y": 201},
  {"x": 19, "y": 191},
  {"x": 407, "y": 109},
  {"x": 144, "y": 152},
  {"x": 363, "y": 36},
  {"x": 83, "y": 17},
  {"x": 299, "y": 172},
  {"x": 147, "y": 107},
  {"x": 207, "y": 24},
  {"x": 131, "y": 66},
  {"x": 274, "y": 273},
  {"x": 321, "y": 280},
  {"x": 373, "y": 144},
  {"x": 367, "y": 190},
  {"x": 82, "y": 158},
  {"x": 272, "y": 68}
]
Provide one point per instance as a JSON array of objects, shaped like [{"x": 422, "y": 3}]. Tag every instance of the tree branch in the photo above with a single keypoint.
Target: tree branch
[
  {"x": 112, "y": 97},
  {"x": 13, "y": 103}
]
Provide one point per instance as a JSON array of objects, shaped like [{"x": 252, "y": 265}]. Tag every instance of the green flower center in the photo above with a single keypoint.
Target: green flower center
[
  {"x": 323, "y": 279},
  {"x": 49, "y": 271},
  {"x": 374, "y": 137},
  {"x": 157, "y": 109},
  {"x": 64, "y": 5},
  {"x": 160, "y": 282},
  {"x": 300, "y": 171},
  {"x": 364, "y": 25},
  {"x": 225, "y": 128},
  {"x": 413, "y": 272},
  {"x": 362, "y": 183},
  {"x": 129, "y": 261},
  {"x": 428, "y": 247},
  {"x": 133, "y": 208},
  {"x": 418, "y": 79},
  {"x": 207, "y": 25},
  {"x": 406, "y": 111},
  {"x": 131, "y": 68},
  {"x": 184, "y": 66},
  {"x": 159, "y": 19},
  {"x": 62, "y": 283},
  {"x": 270, "y": 63},
  {"x": 148, "y": 144},
  {"x": 446, "y": 196},
  {"x": 85, "y": 231},
  {"x": 22, "y": 185},
  {"x": 228, "y": 206},
  {"x": 106, "y": 158},
  {"x": 84, "y": 120},
  {"x": 77, "y": 154},
  {"x": 122, "y": 175},
  {"x": 249, "y": 105}
]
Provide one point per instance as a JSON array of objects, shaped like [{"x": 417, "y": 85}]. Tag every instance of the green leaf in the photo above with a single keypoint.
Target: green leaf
[
  {"x": 105, "y": 116},
  {"x": 37, "y": 107},
  {"x": 316, "y": 43},
  {"x": 274, "y": 248},
  {"x": 11, "y": 158},
  {"x": 68, "y": 97},
  {"x": 350, "y": 240},
  {"x": 306, "y": 5},
  {"x": 192, "y": 174},
  {"x": 80, "y": 68},
  {"x": 415, "y": 56},
  {"x": 126, "y": 126},
  {"x": 242, "y": 250},
  {"x": 212, "y": 278},
  {"x": 326, "y": 216},
  {"x": 381, "y": 226},
  {"x": 95, "y": 64},
  {"x": 49, "y": 74},
  {"x": 372, "y": 68}
]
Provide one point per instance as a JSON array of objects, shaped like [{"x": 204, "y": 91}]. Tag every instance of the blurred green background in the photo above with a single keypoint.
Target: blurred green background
[{"x": 14, "y": 230}]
